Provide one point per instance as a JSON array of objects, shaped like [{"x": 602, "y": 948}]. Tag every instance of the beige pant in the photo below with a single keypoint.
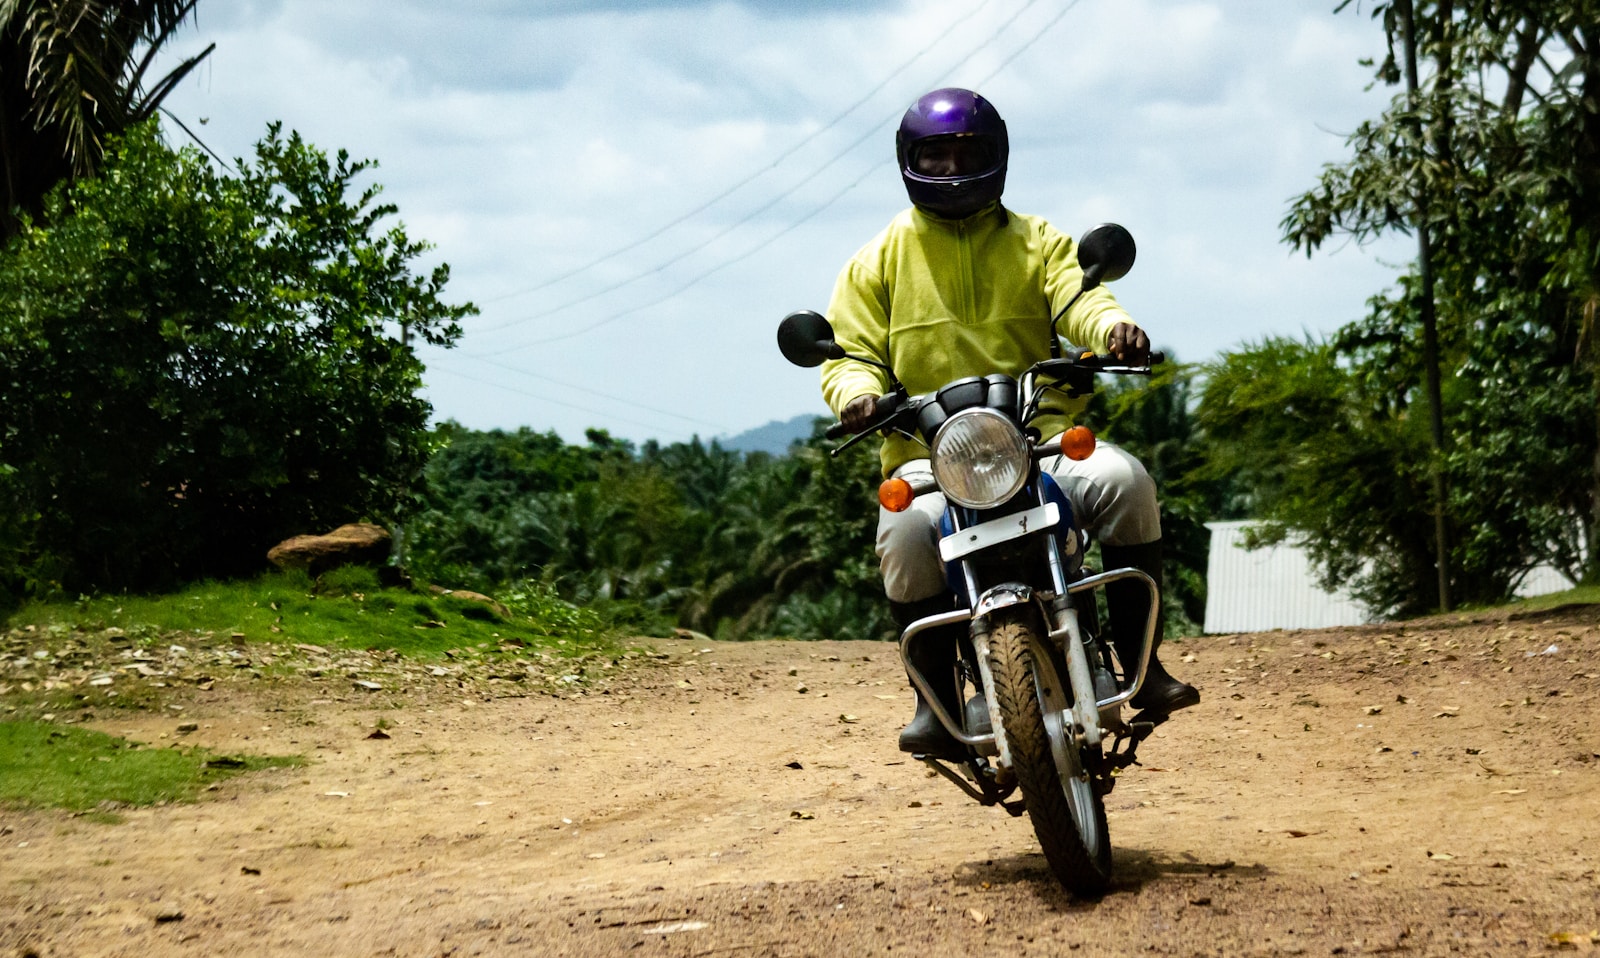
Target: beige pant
[{"x": 1112, "y": 498}]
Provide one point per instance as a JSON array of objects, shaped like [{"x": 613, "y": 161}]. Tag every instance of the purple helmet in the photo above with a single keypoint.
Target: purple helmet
[{"x": 947, "y": 114}]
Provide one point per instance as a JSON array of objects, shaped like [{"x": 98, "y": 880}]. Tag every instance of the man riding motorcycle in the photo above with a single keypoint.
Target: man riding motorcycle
[{"x": 960, "y": 286}]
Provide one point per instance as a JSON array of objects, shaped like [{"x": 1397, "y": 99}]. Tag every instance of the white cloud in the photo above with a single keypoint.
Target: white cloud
[{"x": 528, "y": 140}]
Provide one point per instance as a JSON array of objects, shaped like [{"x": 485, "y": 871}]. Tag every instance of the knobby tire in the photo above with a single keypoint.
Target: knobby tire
[{"x": 1085, "y": 871}]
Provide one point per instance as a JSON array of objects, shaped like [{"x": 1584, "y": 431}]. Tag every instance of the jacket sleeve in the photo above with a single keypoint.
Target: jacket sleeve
[
  {"x": 859, "y": 312},
  {"x": 1095, "y": 313}
]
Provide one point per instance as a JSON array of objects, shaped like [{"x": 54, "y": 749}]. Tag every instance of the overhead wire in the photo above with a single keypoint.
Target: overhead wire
[
  {"x": 797, "y": 147},
  {"x": 989, "y": 41},
  {"x": 201, "y": 143},
  {"x": 697, "y": 279},
  {"x": 690, "y": 251},
  {"x": 546, "y": 399},
  {"x": 700, "y": 208},
  {"x": 747, "y": 253},
  {"x": 585, "y": 389},
  {"x": 1029, "y": 43},
  {"x": 522, "y": 372}
]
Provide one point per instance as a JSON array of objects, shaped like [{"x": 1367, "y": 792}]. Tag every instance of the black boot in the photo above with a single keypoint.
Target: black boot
[
  {"x": 1127, "y": 605},
  {"x": 935, "y": 658}
]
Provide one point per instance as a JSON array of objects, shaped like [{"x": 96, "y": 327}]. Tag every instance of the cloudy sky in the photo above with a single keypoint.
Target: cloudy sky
[{"x": 634, "y": 193}]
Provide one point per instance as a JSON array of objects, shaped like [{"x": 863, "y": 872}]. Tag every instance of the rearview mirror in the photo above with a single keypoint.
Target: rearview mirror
[
  {"x": 806, "y": 339},
  {"x": 1106, "y": 253}
]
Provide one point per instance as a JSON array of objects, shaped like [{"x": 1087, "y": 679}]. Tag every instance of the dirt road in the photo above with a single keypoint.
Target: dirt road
[{"x": 1426, "y": 790}]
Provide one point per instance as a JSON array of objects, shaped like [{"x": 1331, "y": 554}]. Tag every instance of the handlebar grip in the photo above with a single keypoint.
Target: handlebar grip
[
  {"x": 1157, "y": 357},
  {"x": 883, "y": 410}
]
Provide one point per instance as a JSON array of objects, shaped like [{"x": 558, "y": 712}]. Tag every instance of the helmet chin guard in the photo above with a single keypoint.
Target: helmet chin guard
[{"x": 953, "y": 112}]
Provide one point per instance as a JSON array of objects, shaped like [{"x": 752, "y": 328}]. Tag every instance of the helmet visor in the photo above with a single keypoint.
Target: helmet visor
[{"x": 954, "y": 155}]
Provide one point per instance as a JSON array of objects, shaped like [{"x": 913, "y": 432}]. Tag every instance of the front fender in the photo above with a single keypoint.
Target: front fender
[
  {"x": 1005, "y": 596},
  {"x": 1068, "y": 641}
]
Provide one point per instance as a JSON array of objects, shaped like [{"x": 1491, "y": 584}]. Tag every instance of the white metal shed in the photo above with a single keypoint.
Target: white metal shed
[
  {"x": 1267, "y": 588},
  {"x": 1274, "y": 588}
]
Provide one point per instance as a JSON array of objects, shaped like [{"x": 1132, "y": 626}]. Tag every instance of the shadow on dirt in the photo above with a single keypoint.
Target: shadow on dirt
[{"x": 1132, "y": 869}]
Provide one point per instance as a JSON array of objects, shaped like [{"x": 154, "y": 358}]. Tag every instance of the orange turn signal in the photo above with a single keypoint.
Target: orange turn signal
[
  {"x": 895, "y": 495},
  {"x": 1077, "y": 443}
]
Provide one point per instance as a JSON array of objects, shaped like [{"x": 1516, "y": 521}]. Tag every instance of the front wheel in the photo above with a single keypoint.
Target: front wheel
[{"x": 1068, "y": 814}]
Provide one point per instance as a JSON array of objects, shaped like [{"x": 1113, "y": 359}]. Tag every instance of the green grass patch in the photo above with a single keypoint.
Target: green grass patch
[
  {"x": 1582, "y": 595},
  {"x": 346, "y": 608},
  {"x": 48, "y": 766}
]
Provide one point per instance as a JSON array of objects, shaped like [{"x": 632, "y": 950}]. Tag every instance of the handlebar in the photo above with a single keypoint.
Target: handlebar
[
  {"x": 1095, "y": 363},
  {"x": 1083, "y": 367},
  {"x": 888, "y": 409}
]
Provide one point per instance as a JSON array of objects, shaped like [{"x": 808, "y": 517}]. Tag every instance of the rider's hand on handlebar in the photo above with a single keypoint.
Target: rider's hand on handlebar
[
  {"x": 859, "y": 413},
  {"x": 1129, "y": 344}
]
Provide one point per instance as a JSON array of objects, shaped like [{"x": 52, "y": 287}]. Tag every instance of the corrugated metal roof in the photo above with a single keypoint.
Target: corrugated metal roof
[
  {"x": 1267, "y": 588},
  {"x": 1274, "y": 587}
]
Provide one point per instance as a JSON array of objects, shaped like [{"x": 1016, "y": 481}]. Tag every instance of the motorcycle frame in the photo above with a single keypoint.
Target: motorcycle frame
[{"x": 1088, "y": 724}]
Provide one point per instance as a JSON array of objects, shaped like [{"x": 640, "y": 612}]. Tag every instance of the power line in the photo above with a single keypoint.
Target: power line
[
  {"x": 874, "y": 131},
  {"x": 202, "y": 143},
  {"x": 593, "y": 392},
  {"x": 989, "y": 41},
  {"x": 1030, "y": 42},
  {"x": 697, "y": 279},
  {"x": 811, "y": 137},
  {"x": 546, "y": 399}
]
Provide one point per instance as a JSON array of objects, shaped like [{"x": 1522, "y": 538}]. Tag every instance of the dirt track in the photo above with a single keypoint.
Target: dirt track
[{"x": 1430, "y": 790}]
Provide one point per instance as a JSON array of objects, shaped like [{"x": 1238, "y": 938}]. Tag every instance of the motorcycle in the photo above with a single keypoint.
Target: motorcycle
[{"x": 1046, "y": 717}]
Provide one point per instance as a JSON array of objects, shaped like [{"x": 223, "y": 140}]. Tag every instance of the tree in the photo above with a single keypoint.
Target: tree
[
  {"x": 196, "y": 366},
  {"x": 72, "y": 74},
  {"x": 1321, "y": 436},
  {"x": 711, "y": 539},
  {"x": 1329, "y": 458},
  {"x": 1497, "y": 156},
  {"x": 739, "y": 545}
]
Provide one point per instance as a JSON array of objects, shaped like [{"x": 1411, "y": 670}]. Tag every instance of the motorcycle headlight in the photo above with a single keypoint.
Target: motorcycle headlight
[{"x": 980, "y": 458}]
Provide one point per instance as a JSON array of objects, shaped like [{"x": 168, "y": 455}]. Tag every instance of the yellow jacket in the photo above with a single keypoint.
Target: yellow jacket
[{"x": 941, "y": 299}]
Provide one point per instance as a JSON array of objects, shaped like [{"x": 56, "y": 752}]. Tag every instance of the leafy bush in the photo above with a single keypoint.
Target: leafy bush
[
  {"x": 688, "y": 534},
  {"x": 835, "y": 615},
  {"x": 1357, "y": 492},
  {"x": 554, "y": 615},
  {"x": 197, "y": 366}
]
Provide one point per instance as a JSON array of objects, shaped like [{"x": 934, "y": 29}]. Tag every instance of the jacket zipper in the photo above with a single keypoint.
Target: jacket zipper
[{"x": 969, "y": 306}]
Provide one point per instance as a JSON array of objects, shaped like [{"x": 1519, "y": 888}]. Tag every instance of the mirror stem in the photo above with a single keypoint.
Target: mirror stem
[
  {"x": 894, "y": 381},
  {"x": 1055, "y": 338}
]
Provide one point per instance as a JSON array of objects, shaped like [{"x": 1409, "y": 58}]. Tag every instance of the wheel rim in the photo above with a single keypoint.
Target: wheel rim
[{"x": 1075, "y": 782}]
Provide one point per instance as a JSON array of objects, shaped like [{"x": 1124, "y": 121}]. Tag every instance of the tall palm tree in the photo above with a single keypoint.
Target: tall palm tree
[{"x": 73, "y": 72}]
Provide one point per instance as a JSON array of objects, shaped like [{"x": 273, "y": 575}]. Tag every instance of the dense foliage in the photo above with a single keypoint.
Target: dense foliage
[
  {"x": 733, "y": 544},
  {"x": 723, "y": 542},
  {"x": 1497, "y": 156},
  {"x": 195, "y": 366},
  {"x": 74, "y": 73}
]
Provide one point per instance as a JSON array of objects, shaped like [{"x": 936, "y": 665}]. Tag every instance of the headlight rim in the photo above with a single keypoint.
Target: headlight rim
[{"x": 1024, "y": 458}]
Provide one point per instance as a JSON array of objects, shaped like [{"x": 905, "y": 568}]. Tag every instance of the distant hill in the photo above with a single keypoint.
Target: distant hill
[{"x": 775, "y": 437}]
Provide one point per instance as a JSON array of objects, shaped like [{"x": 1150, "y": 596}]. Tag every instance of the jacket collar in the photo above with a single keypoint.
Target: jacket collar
[{"x": 972, "y": 219}]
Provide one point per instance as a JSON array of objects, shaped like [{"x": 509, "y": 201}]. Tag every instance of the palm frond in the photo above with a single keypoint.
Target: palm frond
[{"x": 78, "y": 67}]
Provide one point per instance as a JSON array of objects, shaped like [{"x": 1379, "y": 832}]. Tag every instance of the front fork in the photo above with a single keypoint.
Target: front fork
[{"x": 1096, "y": 702}]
